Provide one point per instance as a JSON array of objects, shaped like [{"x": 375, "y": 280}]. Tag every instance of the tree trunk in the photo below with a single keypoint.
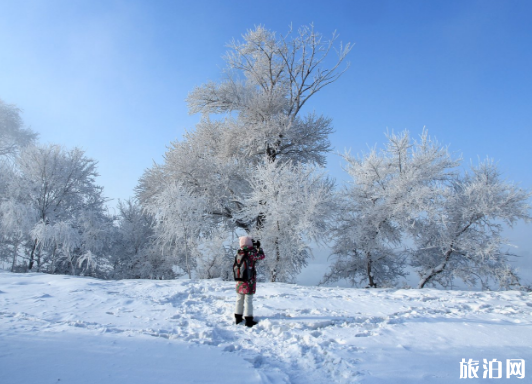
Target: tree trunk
[
  {"x": 72, "y": 266},
  {"x": 435, "y": 271},
  {"x": 32, "y": 255},
  {"x": 39, "y": 260},
  {"x": 277, "y": 261},
  {"x": 440, "y": 268},
  {"x": 53, "y": 258},
  {"x": 15, "y": 254},
  {"x": 277, "y": 257},
  {"x": 371, "y": 281},
  {"x": 186, "y": 258}
]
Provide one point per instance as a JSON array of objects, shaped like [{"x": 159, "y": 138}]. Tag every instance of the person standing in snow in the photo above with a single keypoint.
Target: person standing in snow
[{"x": 246, "y": 289}]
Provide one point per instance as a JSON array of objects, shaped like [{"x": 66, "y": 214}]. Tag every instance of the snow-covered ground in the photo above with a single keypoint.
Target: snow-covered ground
[{"x": 63, "y": 329}]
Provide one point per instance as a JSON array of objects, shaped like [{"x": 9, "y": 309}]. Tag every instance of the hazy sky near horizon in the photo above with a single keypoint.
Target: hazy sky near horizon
[{"x": 112, "y": 76}]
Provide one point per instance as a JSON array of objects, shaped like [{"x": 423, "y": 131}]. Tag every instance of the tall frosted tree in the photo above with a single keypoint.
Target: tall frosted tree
[
  {"x": 64, "y": 208},
  {"x": 259, "y": 119},
  {"x": 460, "y": 234},
  {"x": 388, "y": 189},
  {"x": 409, "y": 205}
]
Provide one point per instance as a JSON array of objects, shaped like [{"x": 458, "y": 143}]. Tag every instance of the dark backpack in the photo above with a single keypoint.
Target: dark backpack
[{"x": 242, "y": 268}]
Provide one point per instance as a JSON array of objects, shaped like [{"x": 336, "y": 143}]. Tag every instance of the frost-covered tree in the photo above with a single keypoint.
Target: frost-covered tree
[
  {"x": 13, "y": 215},
  {"x": 202, "y": 165},
  {"x": 135, "y": 231},
  {"x": 13, "y": 136},
  {"x": 97, "y": 232},
  {"x": 294, "y": 203},
  {"x": 135, "y": 254},
  {"x": 460, "y": 235},
  {"x": 16, "y": 219},
  {"x": 180, "y": 221},
  {"x": 268, "y": 81},
  {"x": 64, "y": 206},
  {"x": 388, "y": 188}
]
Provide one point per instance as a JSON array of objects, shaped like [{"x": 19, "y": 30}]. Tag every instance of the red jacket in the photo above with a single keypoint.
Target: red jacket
[{"x": 249, "y": 287}]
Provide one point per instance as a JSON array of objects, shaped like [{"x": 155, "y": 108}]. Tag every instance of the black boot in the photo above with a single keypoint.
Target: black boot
[
  {"x": 238, "y": 318},
  {"x": 249, "y": 321}
]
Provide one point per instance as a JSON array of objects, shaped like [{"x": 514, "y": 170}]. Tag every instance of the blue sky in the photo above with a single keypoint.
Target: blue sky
[{"x": 111, "y": 76}]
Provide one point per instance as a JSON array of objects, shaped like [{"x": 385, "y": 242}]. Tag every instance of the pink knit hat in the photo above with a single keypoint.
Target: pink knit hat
[{"x": 245, "y": 241}]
